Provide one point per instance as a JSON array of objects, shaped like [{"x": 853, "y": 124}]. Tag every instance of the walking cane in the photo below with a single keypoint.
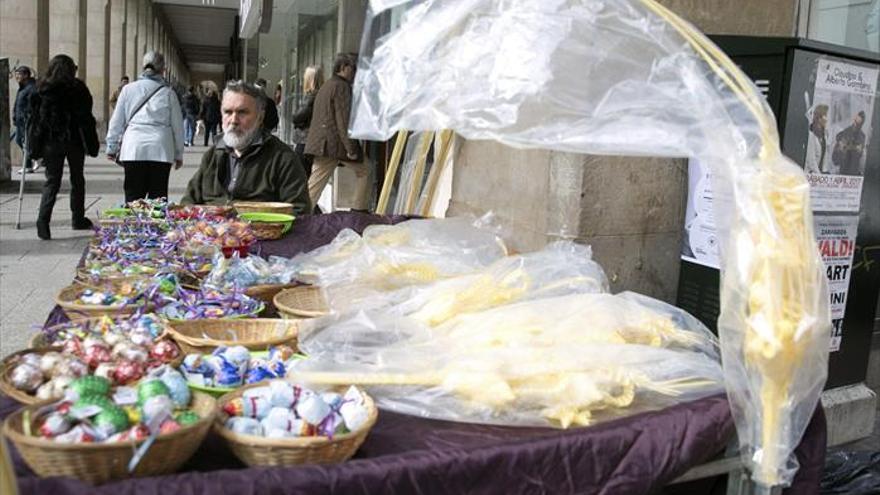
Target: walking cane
[{"x": 24, "y": 160}]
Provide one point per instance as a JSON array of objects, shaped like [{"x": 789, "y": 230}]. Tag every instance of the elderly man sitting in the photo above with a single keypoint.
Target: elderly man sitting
[{"x": 250, "y": 164}]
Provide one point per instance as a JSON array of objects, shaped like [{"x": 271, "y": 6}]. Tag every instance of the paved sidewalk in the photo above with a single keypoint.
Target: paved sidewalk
[{"x": 33, "y": 271}]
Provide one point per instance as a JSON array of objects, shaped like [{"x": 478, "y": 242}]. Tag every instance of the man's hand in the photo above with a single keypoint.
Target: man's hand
[{"x": 178, "y": 164}]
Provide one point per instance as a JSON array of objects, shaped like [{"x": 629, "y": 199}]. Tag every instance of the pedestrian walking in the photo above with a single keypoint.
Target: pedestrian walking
[
  {"x": 146, "y": 132},
  {"x": 62, "y": 127},
  {"x": 270, "y": 114},
  {"x": 114, "y": 98},
  {"x": 328, "y": 139},
  {"x": 211, "y": 114},
  {"x": 21, "y": 111},
  {"x": 302, "y": 118},
  {"x": 191, "y": 110}
]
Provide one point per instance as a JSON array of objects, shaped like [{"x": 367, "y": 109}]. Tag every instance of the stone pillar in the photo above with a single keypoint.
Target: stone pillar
[
  {"x": 117, "y": 42},
  {"x": 97, "y": 64},
  {"x": 64, "y": 28},
  {"x": 82, "y": 48},
  {"x": 132, "y": 27},
  {"x": 6, "y": 121},
  {"x": 351, "y": 17}
]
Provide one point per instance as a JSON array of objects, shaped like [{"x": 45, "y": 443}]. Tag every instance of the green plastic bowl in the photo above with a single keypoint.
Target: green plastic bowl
[
  {"x": 116, "y": 212},
  {"x": 287, "y": 220},
  {"x": 219, "y": 391}
]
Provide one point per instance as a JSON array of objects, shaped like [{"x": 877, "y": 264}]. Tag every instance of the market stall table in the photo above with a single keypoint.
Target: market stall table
[{"x": 405, "y": 454}]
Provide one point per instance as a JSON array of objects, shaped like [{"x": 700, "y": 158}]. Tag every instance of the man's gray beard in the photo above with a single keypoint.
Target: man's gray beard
[{"x": 238, "y": 140}]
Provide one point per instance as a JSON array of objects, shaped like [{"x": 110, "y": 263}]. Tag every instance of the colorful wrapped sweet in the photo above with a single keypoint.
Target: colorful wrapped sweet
[{"x": 229, "y": 367}]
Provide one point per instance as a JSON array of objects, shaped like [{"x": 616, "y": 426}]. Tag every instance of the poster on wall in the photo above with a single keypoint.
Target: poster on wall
[
  {"x": 700, "y": 243},
  {"x": 836, "y": 239}
]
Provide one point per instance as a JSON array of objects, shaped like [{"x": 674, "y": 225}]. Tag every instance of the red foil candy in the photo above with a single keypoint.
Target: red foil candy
[
  {"x": 96, "y": 355},
  {"x": 127, "y": 372},
  {"x": 165, "y": 351}
]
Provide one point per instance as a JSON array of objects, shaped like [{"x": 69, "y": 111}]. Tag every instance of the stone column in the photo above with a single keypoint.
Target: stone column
[
  {"x": 97, "y": 63},
  {"x": 64, "y": 28},
  {"x": 117, "y": 42},
  {"x": 351, "y": 16}
]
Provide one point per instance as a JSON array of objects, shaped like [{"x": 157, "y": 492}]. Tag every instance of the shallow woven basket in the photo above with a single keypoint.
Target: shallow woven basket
[
  {"x": 266, "y": 293},
  {"x": 261, "y": 451},
  {"x": 75, "y": 310},
  {"x": 101, "y": 462},
  {"x": 267, "y": 231},
  {"x": 203, "y": 336},
  {"x": 263, "y": 207},
  {"x": 305, "y": 301},
  {"x": 11, "y": 360}
]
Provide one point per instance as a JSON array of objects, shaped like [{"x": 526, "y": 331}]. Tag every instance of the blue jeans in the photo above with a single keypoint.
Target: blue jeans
[{"x": 189, "y": 129}]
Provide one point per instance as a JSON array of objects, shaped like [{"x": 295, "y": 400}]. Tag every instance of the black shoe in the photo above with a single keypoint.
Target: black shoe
[
  {"x": 43, "y": 230},
  {"x": 82, "y": 224}
]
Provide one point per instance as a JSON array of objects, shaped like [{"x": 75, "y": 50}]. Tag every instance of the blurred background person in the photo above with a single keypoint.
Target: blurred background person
[
  {"x": 21, "y": 111},
  {"x": 302, "y": 118},
  {"x": 210, "y": 114},
  {"x": 191, "y": 110},
  {"x": 270, "y": 116},
  {"x": 146, "y": 132},
  {"x": 62, "y": 127},
  {"x": 115, "y": 96}
]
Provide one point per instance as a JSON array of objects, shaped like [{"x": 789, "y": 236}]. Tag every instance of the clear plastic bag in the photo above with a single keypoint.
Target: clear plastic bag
[
  {"x": 628, "y": 77},
  {"x": 560, "y": 268},
  {"x": 388, "y": 257},
  {"x": 236, "y": 272},
  {"x": 560, "y": 361}
]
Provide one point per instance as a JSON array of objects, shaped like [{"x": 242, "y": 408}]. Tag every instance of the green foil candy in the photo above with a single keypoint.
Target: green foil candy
[
  {"x": 91, "y": 385},
  {"x": 186, "y": 418},
  {"x": 112, "y": 419},
  {"x": 151, "y": 388}
]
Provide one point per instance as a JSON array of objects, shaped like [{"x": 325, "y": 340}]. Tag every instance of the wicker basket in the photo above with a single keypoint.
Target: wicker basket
[
  {"x": 305, "y": 301},
  {"x": 266, "y": 293},
  {"x": 101, "y": 462},
  {"x": 6, "y": 387},
  {"x": 268, "y": 231},
  {"x": 75, "y": 310},
  {"x": 261, "y": 451},
  {"x": 38, "y": 341},
  {"x": 263, "y": 207},
  {"x": 203, "y": 336}
]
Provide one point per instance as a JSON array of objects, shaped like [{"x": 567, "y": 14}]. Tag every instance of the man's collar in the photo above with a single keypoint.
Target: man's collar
[{"x": 258, "y": 141}]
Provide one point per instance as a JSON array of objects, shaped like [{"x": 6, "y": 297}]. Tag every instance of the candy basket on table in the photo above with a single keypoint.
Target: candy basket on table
[
  {"x": 262, "y": 451},
  {"x": 305, "y": 301},
  {"x": 128, "y": 301},
  {"x": 203, "y": 336},
  {"x": 97, "y": 463},
  {"x": 263, "y": 207}
]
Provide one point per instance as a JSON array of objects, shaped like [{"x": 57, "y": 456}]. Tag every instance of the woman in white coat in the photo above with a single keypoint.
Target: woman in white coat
[{"x": 146, "y": 132}]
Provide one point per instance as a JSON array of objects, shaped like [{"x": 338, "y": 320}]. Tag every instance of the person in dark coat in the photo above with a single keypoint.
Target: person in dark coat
[
  {"x": 328, "y": 139},
  {"x": 302, "y": 118},
  {"x": 61, "y": 128},
  {"x": 270, "y": 119},
  {"x": 21, "y": 112},
  {"x": 211, "y": 114},
  {"x": 191, "y": 110}
]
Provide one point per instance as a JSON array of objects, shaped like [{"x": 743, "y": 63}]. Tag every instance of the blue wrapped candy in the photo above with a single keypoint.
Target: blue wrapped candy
[{"x": 177, "y": 387}]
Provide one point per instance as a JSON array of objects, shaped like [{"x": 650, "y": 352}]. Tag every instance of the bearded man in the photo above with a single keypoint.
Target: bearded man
[{"x": 250, "y": 164}]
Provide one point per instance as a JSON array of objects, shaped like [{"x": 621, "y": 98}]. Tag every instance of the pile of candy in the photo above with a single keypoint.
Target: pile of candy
[
  {"x": 237, "y": 272},
  {"x": 283, "y": 410},
  {"x": 199, "y": 212},
  {"x": 92, "y": 411},
  {"x": 229, "y": 367},
  {"x": 188, "y": 304},
  {"x": 116, "y": 357},
  {"x": 153, "y": 208},
  {"x": 201, "y": 234},
  {"x": 139, "y": 329}
]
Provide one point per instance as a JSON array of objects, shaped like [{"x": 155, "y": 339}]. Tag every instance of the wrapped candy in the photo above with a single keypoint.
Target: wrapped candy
[
  {"x": 55, "y": 424},
  {"x": 244, "y": 426},
  {"x": 73, "y": 347},
  {"x": 54, "y": 388},
  {"x": 96, "y": 354},
  {"x": 31, "y": 358},
  {"x": 77, "y": 434},
  {"x": 186, "y": 418},
  {"x": 133, "y": 434},
  {"x": 130, "y": 352},
  {"x": 164, "y": 351},
  {"x": 70, "y": 366},
  {"x": 105, "y": 370},
  {"x": 250, "y": 407},
  {"x": 111, "y": 420},
  {"x": 281, "y": 353},
  {"x": 312, "y": 408},
  {"x": 90, "y": 385},
  {"x": 151, "y": 388},
  {"x": 50, "y": 360},
  {"x": 177, "y": 387},
  {"x": 285, "y": 420},
  {"x": 142, "y": 338},
  {"x": 168, "y": 426},
  {"x": 26, "y": 377},
  {"x": 353, "y": 411},
  {"x": 127, "y": 372},
  {"x": 156, "y": 408}
]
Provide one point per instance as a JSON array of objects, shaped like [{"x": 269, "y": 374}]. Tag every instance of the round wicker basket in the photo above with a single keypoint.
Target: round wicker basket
[
  {"x": 68, "y": 296},
  {"x": 304, "y": 301},
  {"x": 97, "y": 463},
  {"x": 266, "y": 293},
  {"x": 263, "y": 207},
  {"x": 261, "y": 451},
  {"x": 268, "y": 231},
  {"x": 203, "y": 336}
]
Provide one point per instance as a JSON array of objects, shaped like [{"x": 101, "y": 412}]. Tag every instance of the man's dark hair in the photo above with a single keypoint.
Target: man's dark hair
[
  {"x": 254, "y": 92},
  {"x": 23, "y": 70},
  {"x": 124, "y": 78},
  {"x": 342, "y": 60},
  {"x": 861, "y": 114}
]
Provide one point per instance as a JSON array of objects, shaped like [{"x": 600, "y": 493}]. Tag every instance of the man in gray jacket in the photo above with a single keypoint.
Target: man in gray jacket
[{"x": 146, "y": 132}]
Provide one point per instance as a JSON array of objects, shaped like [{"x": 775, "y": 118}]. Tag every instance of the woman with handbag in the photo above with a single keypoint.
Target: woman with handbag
[
  {"x": 146, "y": 132},
  {"x": 61, "y": 128}
]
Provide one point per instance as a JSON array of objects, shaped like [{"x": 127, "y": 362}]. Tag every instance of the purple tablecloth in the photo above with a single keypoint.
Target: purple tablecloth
[{"x": 405, "y": 454}]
